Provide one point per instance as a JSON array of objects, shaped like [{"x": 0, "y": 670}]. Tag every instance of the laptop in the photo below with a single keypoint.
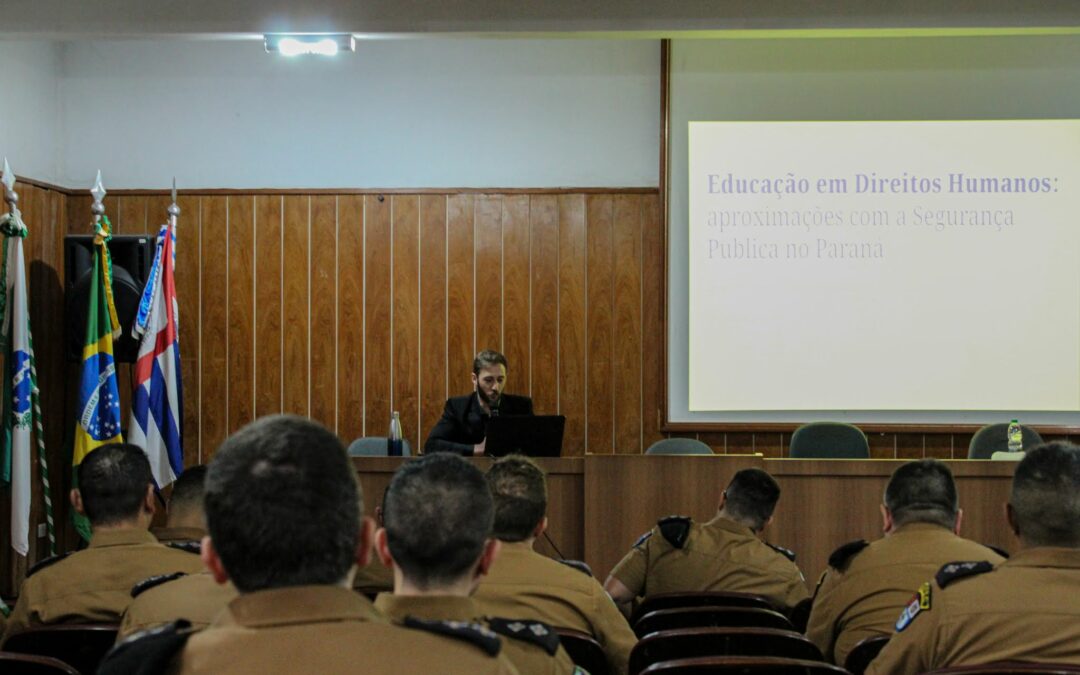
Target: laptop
[{"x": 531, "y": 435}]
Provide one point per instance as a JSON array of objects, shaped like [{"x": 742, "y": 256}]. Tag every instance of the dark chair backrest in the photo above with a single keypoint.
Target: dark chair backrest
[
  {"x": 742, "y": 665},
  {"x": 710, "y": 617},
  {"x": 669, "y": 645},
  {"x": 863, "y": 653},
  {"x": 800, "y": 614},
  {"x": 28, "y": 664},
  {"x": 1004, "y": 667},
  {"x": 698, "y": 599},
  {"x": 80, "y": 645},
  {"x": 584, "y": 651},
  {"x": 679, "y": 446},
  {"x": 995, "y": 438},
  {"x": 829, "y": 440}
]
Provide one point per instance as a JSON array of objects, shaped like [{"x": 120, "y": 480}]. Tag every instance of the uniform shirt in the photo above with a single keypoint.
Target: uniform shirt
[
  {"x": 94, "y": 585},
  {"x": 373, "y": 576},
  {"x": 720, "y": 555},
  {"x": 194, "y": 597},
  {"x": 1025, "y": 609},
  {"x": 168, "y": 535},
  {"x": 323, "y": 629},
  {"x": 524, "y": 583},
  {"x": 863, "y": 599},
  {"x": 526, "y": 656}
]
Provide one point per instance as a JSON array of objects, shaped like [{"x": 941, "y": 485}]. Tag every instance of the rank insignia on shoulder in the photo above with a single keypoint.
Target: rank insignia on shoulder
[
  {"x": 958, "y": 570},
  {"x": 42, "y": 564},
  {"x": 188, "y": 546},
  {"x": 918, "y": 604},
  {"x": 533, "y": 632},
  {"x": 786, "y": 552},
  {"x": 148, "y": 651},
  {"x": 642, "y": 539},
  {"x": 467, "y": 631},
  {"x": 579, "y": 565},
  {"x": 675, "y": 529},
  {"x": 843, "y": 555},
  {"x": 147, "y": 584}
]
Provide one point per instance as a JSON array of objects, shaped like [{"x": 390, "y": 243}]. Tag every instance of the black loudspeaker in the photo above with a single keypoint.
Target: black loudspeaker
[{"x": 132, "y": 256}]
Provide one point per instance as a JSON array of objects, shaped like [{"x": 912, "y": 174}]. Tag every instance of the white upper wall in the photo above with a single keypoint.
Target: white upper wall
[
  {"x": 29, "y": 82},
  {"x": 409, "y": 113}
]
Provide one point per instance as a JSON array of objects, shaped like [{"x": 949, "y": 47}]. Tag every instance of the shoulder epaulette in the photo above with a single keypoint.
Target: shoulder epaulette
[
  {"x": 841, "y": 556},
  {"x": 156, "y": 580},
  {"x": 675, "y": 529},
  {"x": 42, "y": 564},
  {"x": 958, "y": 570},
  {"x": 642, "y": 539},
  {"x": 786, "y": 552},
  {"x": 579, "y": 565},
  {"x": 147, "y": 652},
  {"x": 1000, "y": 551},
  {"x": 533, "y": 632},
  {"x": 467, "y": 631},
  {"x": 186, "y": 546}
]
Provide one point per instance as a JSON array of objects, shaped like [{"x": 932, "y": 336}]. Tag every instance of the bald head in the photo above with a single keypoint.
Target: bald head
[{"x": 1045, "y": 500}]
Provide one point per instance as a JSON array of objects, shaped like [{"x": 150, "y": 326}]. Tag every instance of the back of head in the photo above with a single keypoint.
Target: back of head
[
  {"x": 438, "y": 514},
  {"x": 1046, "y": 496},
  {"x": 488, "y": 359},
  {"x": 519, "y": 489},
  {"x": 112, "y": 483},
  {"x": 186, "y": 500},
  {"x": 922, "y": 492},
  {"x": 751, "y": 497},
  {"x": 283, "y": 506}
]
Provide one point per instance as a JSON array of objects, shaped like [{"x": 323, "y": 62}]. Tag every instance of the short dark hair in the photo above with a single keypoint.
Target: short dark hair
[
  {"x": 519, "y": 489},
  {"x": 112, "y": 483},
  {"x": 438, "y": 514},
  {"x": 1046, "y": 495},
  {"x": 922, "y": 491},
  {"x": 283, "y": 505},
  {"x": 487, "y": 359},
  {"x": 751, "y": 497},
  {"x": 187, "y": 489}
]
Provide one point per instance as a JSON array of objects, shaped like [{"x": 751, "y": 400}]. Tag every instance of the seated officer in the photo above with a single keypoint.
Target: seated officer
[
  {"x": 525, "y": 583},
  {"x": 116, "y": 494},
  {"x": 867, "y": 585},
  {"x": 724, "y": 554},
  {"x": 1024, "y": 609},
  {"x": 185, "y": 520},
  {"x": 283, "y": 510},
  {"x": 440, "y": 554}
]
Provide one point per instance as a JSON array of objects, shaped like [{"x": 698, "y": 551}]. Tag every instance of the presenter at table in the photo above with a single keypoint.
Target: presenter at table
[{"x": 462, "y": 429}]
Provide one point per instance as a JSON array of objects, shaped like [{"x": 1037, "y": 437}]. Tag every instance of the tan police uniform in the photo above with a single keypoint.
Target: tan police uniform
[
  {"x": 524, "y": 583},
  {"x": 95, "y": 584},
  {"x": 533, "y": 647},
  {"x": 328, "y": 630},
  {"x": 720, "y": 555},
  {"x": 1025, "y": 609},
  {"x": 866, "y": 586},
  {"x": 194, "y": 597},
  {"x": 373, "y": 577},
  {"x": 168, "y": 535}
]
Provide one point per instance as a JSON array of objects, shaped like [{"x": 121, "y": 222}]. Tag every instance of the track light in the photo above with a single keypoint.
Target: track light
[{"x": 296, "y": 44}]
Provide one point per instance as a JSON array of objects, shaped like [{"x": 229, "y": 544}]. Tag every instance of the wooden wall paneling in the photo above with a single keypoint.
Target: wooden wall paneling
[
  {"x": 653, "y": 251},
  {"x": 460, "y": 292},
  {"x": 572, "y": 323},
  {"x": 544, "y": 363},
  {"x": 131, "y": 215},
  {"x": 626, "y": 323},
  {"x": 910, "y": 446},
  {"x": 882, "y": 446},
  {"x": 267, "y": 252},
  {"x": 377, "y": 323},
  {"x": 48, "y": 295},
  {"x": 78, "y": 215},
  {"x": 324, "y": 321},
  {"x": 769, "y": 444},
  {"x": 405, "y": 348},
  {"x": 241, "y": 312},
  {"x": 112, "y": 211},
  {"x": 488, "y": 223},
  {"x": 350, "y": 303},
  {"x": 716, "y": 441},
  {"x": 516, "y": 316},
  {"x": 433, "y": 316},
  {"x": 189, "y": 300},
  {"x": 940, "y": 446},
  {"x": 296, "y": 304},
  {"x": 740, "y": 443},
  {"x": 600, "y": 330},
  {"x": 37, "y": 208},
  {"x": 214, "y": 392}
]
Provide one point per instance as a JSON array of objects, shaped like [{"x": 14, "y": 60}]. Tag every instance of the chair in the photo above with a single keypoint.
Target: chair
[
  {"x": 679, "y": 446},
  {"x": 375, "y": 446},
  {"x": 669, "y": 645},
  {"x": 863, "y": 653},
  {"x": 800, "y": 614},
  {"x": 28, "y": 664},
  {"x": 698, "y": 599},
  {"x": 829, "y": 440},
  {"x": 1007, "y": 667},
  {"x": 79, "y": 645},
  {"x": 584, "y": 651},
  {"x": 994, "y": 438},
  {"x": 742, "y": 665},
  {"x": 710, "y": 617}
]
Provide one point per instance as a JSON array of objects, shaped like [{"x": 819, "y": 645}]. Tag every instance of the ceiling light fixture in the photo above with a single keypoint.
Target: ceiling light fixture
[{"x": 296, "y": 44}]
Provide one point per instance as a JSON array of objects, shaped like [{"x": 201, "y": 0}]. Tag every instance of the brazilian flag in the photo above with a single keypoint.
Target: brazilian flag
[{"x": 98, "y": 420}]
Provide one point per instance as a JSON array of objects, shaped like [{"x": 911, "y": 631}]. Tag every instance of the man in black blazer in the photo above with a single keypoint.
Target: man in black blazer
[{"x": 462, "y": 429}]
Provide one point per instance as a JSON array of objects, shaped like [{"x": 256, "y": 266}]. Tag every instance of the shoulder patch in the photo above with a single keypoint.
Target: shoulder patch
[
  {"x": 42, "y": 564},
  {"x": 675, "y": 529},
  {"x": 840, "y": 557},
  {"x": 920, "y": 603},
  {"x": 467, "y": 631},
  {"x": 187, "y": 546},
  {"x": 157, "y": 580},
  {"x": 786, "y": 552},
  {"x": 579, "y": 565},
  {"x": 147, "y": 652},
  {"x": 642, "y": 539},
  {"x": 958, "y": 570},
  {"x": 533, "y": 632}
]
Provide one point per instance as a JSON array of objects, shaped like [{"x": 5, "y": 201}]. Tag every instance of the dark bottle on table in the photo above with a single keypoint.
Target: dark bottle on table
[{"x": 393, "y": 439}]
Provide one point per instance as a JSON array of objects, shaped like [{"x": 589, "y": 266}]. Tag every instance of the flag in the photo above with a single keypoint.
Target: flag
[
  {"x": 98, "y": 411},
  {"x": 156, "y": 401}
]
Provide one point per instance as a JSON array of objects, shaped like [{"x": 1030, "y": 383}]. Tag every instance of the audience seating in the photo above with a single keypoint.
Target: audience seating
[
  {"x": 863, "y": 653},
  {"x": 742, "y": 665},
  {"x": 670, "y": 645},
  {"x": 698, "y": 599},
  {"x": 679, "y": 446},
  {"x": 800, "y": 614},
  {"x": 994, "y": 438},
  {"x": 584, "y": 651},
  {"x": 28, "y": 664},
  {"x": 81, "y": 646},
  {"x": 1005, "y": 667},
  {"x": 829, "y": 440},
  {"x": 710, "y": 617},
  {"x": 375, "y": 446}
]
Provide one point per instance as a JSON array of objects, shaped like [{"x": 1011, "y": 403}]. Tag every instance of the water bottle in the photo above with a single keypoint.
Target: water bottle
[
  {"x": 1016, "y": 437},
  {"x": 393, "y": 439}
]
